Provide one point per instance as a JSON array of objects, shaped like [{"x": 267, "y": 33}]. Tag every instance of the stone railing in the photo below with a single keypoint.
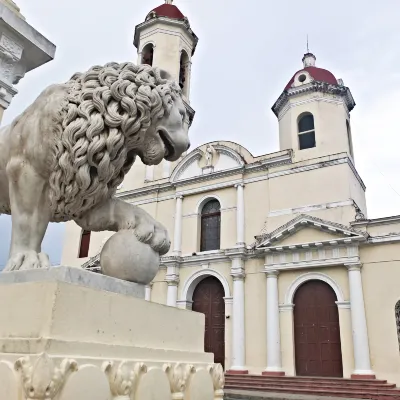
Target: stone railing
[{"x": 50, "y": 378}]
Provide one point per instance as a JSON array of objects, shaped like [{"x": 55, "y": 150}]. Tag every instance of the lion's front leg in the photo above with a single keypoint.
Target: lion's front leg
[
  {"x": 29, "y": 214},
  {"x": 115, "y": 215}
]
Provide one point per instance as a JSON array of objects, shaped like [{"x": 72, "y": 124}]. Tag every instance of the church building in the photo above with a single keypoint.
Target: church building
[{"x": 276, "y": 249}]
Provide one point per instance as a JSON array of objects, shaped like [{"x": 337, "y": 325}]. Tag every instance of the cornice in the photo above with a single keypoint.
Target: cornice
[
  {"x": 183, "y": 23},
  {"x": 314, "y": 86},
  {"x": 377, "y": 221}
]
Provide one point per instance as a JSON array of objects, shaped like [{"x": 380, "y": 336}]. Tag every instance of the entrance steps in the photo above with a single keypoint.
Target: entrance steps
[{"x": 373, "y": 389}]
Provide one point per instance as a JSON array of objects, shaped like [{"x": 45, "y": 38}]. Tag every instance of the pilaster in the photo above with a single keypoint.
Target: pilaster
[
  {"x": 178, "y": 226},
  {"x": 238, "y": 318},
  {"x": 274, "y": 358},
  {"x": 362, "y": 362},
  {"x": 240, "y": 217},
  {"x": 172, "y": 279}
]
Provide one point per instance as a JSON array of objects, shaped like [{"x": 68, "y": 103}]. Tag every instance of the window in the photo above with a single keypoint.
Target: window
[
  {"x": 183, "y": 72},
  {"x": 349, "y": 138},
  {"x": 148, "y": 54},
  {"x": 210, "y": 226},
  {"x": 397, "y": 314},
  {"x": 84, "y": 246},
  {"x": 306, "y": 131}
]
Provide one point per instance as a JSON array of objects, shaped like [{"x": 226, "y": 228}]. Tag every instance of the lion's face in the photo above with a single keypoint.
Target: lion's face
[{"x": 167, "y": 138}]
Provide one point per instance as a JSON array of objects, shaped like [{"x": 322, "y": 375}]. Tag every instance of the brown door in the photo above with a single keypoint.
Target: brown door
[
  {"x": 316, "y": 331},
  {"x": 208, "y": 298}
]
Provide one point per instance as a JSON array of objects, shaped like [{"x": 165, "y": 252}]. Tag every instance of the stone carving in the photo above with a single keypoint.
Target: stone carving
[
  {"x": 209, "y": 155},
  {"x": 179, "y": 378},
  {"x": 42, "y": 380},
  {"x": 76, "y": 143},
  {"x": 218, "y": 377},
  {"x": 123, "y": 378}
]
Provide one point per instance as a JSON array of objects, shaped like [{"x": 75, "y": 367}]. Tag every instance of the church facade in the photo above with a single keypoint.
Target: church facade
[{"x": 276, "y": 250}]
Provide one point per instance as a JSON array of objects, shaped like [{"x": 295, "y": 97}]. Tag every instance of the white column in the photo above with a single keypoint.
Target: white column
[
  {"x": 274, "y": 361},
  {"x": 172, "y": 294},
  {"x": 238, "y": 319},
  {"x": 240, "y": 215},
  {"x": 166, "y": 169},
  {"x": 362, "y": 363},
  {"x": 149, "y": 173},
  {"x": 172, "y": 278},
  {"x": 178, "y": 226},
  {"x": 147, "y": 292}
]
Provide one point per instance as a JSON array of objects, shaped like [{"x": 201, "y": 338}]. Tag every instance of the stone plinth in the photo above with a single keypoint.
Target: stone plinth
[{"x": 76, "y": 341}]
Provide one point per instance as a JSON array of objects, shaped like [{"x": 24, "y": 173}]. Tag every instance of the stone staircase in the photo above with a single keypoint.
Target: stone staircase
[{"x": 331, "y": 387}]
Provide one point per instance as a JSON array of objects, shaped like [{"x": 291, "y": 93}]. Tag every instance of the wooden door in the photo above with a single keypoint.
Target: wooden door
[
  {"x": 208, "y": 298},
  {"x": 316, "y": 330}
]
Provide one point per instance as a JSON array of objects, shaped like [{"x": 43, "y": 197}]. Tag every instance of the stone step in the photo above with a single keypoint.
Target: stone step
[
  {"x": 335, "y": 392},
  {"x": 305, "y": 379},
  {"x": 254, "y": 395},
  {"x": 261, "y": 383}
]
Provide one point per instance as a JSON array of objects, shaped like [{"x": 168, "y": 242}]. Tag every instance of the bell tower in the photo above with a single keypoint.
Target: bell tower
[
  {"x": 314, "y": 113},
  {"x": 166, "y": 40}
]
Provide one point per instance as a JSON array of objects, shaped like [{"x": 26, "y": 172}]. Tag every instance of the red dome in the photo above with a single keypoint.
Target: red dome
[
  {"x": 169, "y": 11},
  {"x": 319, "y": 74}
]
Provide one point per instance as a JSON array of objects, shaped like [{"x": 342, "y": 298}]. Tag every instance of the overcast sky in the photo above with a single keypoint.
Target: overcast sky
[{"x": 248, "y": 51}]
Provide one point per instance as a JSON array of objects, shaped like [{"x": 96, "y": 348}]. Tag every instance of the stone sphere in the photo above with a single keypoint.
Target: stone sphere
[{"x": 124, "y": 257}]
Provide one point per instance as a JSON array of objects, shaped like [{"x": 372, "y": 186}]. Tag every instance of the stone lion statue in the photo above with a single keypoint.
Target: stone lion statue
[{"x": 64, "y": 157}]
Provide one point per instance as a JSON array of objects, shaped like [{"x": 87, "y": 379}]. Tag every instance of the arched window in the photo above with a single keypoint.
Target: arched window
[
  {"x": 210, "y": 226},
  {"x": 183, "y": 72},
  {"x": 306, "y": 131},
  {"x": 148, "y": 54},
  {"x": 349, "y": 138},
  {"x": 84, "y": 244},
  {"x": 397, "y": 314}
]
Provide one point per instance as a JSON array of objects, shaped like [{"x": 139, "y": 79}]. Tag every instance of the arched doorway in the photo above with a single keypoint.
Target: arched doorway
[
  {"x": 208, "y": 298},
  {"x": 316, "y": 331}
]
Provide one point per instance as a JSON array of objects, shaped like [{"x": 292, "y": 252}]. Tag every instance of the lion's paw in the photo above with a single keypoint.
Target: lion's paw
[
  {"x": 148, "y": 230},
  {"x": 27, "y": 260}
]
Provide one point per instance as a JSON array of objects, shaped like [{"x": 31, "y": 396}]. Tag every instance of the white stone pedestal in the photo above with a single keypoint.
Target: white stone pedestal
[{"x": 64, "y": 338}]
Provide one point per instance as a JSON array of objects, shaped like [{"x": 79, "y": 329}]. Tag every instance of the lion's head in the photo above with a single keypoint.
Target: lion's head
[
  {"x": 166, "y": 137},
  {"x": 113, "y": 113}
]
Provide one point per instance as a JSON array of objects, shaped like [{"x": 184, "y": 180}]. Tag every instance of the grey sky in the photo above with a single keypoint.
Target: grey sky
[{"x": 248, "y": 51}]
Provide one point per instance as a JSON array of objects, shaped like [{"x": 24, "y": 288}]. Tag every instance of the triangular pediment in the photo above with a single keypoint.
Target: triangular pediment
[{"x": 307, "y": 231}]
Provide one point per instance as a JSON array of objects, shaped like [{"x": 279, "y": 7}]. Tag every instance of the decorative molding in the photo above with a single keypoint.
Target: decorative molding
[
  {"x": 286, "y": 307},
  {"x": 179, "y": 376},
  {"x": 218, "y": 377},
  {"x": 42, "y": 380},
  {"x": 330, "y": 262},
  {"x": 395, "y": 219},
  {"x": 290, "y": 105},
  {"x": 304, "y": 220},
  {"x": 315, "y": 86},
  {"x": 183, "y": 165},
  {"x": 343, "y": 305},
  {"x": 249, "y": 168},
  {"x": 123, "y": 378},
  {"x": 193, "y": 280},
  {"x": 310, "y": 208},
  {"x": 354, "y": 266},
  {"x": 289, "y": 296}
]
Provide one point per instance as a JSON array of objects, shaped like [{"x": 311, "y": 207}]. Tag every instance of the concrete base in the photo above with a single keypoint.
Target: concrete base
[
  {"x": 75, "y": 276},
  {"x": 363, "y": 377},
  {"x": 85, "y": 344},
  {"x": 273, "y": 373},
  {"x": 237, "y": 372}
]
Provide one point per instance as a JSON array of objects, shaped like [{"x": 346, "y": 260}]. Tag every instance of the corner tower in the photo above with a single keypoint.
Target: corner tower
[
  {"x": 166, "y": 40},
  {"x": 314, "y": 113}
]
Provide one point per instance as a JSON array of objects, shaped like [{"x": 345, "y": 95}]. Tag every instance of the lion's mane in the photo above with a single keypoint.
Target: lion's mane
[{"x": 103, "y": 120}]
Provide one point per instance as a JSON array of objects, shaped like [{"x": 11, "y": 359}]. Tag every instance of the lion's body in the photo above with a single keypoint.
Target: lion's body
[{"x": 66, "y": 154}]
